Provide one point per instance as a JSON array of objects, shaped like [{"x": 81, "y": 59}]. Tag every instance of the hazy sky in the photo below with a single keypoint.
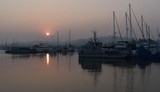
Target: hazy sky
[{"x": 26, "y": 20}]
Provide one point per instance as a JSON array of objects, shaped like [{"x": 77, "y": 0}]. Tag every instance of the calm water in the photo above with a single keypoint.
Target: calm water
[{"x": 66, "y": 73}]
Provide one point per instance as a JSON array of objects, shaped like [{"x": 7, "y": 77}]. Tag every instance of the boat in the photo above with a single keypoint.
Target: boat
[
  {"x": 95, "y": 49},
  {"x": 146, "y": 52},
  {"x": 20, "y": 50}
]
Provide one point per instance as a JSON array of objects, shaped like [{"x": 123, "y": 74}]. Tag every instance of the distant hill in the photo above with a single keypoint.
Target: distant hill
[
  {"x": 104, "y": 40},
  {"x": 79, "y": 42}
]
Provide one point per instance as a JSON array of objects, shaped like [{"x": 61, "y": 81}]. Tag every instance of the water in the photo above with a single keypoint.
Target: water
[{"x": 66, "y": 73}]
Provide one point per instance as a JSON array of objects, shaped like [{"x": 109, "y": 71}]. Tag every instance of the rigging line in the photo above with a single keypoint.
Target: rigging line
[
  {"x": 151, "y": 33},
  {"x": 133, "y": 30},
  {"x": 135, "y": 34},
  {"x": 146, "y": 26},
  {"x": 118, "y": 29},
  {"x": 147, "y": 33},
  {"x": 138, "y": 24}
]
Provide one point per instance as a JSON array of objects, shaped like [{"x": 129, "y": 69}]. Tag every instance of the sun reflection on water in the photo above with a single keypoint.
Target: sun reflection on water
[{"x": 47, "y": 58}]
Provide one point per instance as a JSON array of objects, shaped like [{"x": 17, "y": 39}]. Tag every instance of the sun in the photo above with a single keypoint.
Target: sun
[{"x": 47, "y": 34}]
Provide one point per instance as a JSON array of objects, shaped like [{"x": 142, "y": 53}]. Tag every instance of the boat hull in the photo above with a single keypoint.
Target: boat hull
[{"x": 92, "y": 55}]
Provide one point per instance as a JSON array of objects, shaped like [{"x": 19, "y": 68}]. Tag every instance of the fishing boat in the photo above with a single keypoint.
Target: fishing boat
[
  {"x": 20, "y": 50},
  {"x": 95, "y": 49}
]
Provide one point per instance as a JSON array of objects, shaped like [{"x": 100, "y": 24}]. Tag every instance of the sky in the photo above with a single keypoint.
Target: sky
[{"x": 29, "y": 20}]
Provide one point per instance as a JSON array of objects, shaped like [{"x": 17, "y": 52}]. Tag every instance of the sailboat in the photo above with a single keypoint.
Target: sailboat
[
  {"x": 68, "y": 47},
  {"x": 146, "y": 49}
]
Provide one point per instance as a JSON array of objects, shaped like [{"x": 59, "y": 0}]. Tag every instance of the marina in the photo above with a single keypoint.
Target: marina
[{"x": 79, "y": 46}]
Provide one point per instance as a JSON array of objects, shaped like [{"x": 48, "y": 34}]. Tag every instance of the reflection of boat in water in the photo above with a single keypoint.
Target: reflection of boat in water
[
  {"x": 96, "y": 63},
  {"x": 90, "y": 64},
  {"x": 120, "y": 73},
  {"x": 93, "y": 64}
]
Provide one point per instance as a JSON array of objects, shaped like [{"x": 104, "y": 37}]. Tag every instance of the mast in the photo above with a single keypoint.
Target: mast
[
  {"x": 6, "y": 43},
  {"x": 149, "y": 40},
  {"x": 126, "y": 25},
  {"x": 157, "y": 34},
  {"x": 69, "y": 43},
  {"x": 142, "y": 25},
  {"x": 13, "y": 41},
  {"x": 114, "y": 31},
  {"x": 147, "y": 36},
  {"x": 130, "y": 21},
  {"x": 57, "y": 38},
  {"x": 149, "y": 32}
]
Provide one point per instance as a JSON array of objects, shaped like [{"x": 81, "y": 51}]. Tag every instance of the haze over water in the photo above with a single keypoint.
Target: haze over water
[
  {"x": 59, "y": 73},
  {"x": 32, "y": 20},
  {"x": 28, "y": 20}
]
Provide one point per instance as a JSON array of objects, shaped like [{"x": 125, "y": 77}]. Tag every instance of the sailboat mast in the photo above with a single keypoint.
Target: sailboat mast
[
  {"x": 126, "y": 25},
  {"x": 149, "y": 32},
  {"x": 57, "y": 38},
  {"x": 130, "y": 22},
  {"x": 114, "y": 31},
  {"x": 6, "y": 43},
  {"x": 69, "y": 43},
  {"x": 147, "y": 36},
  {"x": 142, "y": 25},
  {"x": 157, "y": 34}
]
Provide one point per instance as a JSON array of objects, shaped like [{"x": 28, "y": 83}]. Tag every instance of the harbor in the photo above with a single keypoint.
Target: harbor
[
  {"x": 79, "y": 46},
  {"x": 131, "y": 48}
]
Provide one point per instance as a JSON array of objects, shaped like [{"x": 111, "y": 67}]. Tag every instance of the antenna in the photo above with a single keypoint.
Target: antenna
[{"x": 95, "y": 35}]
